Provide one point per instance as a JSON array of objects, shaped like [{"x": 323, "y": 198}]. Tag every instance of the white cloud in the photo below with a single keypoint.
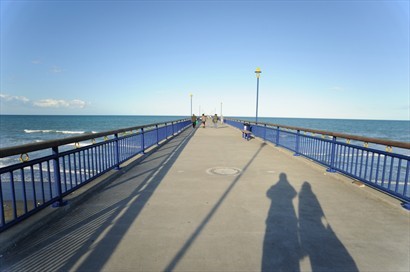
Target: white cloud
[
  {"x": 59, "y": 103},
  {"x": 12, "y": 98},
  {"x": 43, "y": 103},
  {"x": 36, "y": 61},
  {"x": 78, "y": 103}
]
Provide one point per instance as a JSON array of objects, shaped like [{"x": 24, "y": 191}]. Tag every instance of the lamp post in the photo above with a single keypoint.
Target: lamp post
[
  {"x": 222, "y": 118},
  {"x": 221, "y": 109},
  {"x": 258, "y": 74},
  {"x": 191, "y": 103}
]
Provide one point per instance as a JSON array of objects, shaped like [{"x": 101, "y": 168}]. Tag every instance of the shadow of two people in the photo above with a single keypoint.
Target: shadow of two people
[{"x": 289, "y": 239}]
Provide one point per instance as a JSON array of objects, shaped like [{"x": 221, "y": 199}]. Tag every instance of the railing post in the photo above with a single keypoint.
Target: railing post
[
  {"x": 57, "y": 179},
  {"x": 332, "y": 156},
  {"x": 117, "y": 152},
  {"x": 166, "y": 130},
  {"x": 406, "y": 179},
  {"x": 13, "y": 195},
  {"x": 277, "y": 135},
  {"x": 264, "y": 132},
  {"x": 156, "y": 127},
  {"x": 2, "y": 217},
  {"x": 297, "y": 143},
  {"x": 172, "y": 125},
  {"x": 142, "y": 141},
  {"x": 406, "y": 204}
]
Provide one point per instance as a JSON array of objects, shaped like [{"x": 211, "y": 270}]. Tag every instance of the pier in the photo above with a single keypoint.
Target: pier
[{"x": 208, "y": 200}]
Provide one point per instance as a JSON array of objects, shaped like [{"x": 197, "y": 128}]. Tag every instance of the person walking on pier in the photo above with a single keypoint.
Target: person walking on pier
[
  {"x": 193, "y": 119},
  {"x": 215, "y": 120},
  {"x": 203, "y": 119}
]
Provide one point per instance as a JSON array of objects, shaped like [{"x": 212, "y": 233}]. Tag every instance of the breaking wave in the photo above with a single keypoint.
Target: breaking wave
[{"x": 57, "y": 131}]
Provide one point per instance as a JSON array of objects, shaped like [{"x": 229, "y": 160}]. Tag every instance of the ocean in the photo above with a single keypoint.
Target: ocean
[
  {"x": 23, "y": 129},
  {"x": 381, "y": 129}
]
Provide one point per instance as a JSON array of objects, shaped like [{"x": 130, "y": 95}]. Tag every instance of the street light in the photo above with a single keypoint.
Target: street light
[
  {"x": 222, "y": 118},
  {"x": 258, "y": 74},
  {"x": 191, "y": 103}
]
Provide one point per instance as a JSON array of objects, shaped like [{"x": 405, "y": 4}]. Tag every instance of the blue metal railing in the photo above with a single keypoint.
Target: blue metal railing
[
  {"x": 56, "y": 169},
  {"x": 358, "y": 157}
]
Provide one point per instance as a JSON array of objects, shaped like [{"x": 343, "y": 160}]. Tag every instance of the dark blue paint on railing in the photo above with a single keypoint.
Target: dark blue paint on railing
[
  {"x": 332, "y": 155},
  {"x": 383, "y": 170},
  {"x": 143, "y": 140},
  {"x": 2, "y": 216},
  {"x": 57, "y": 176},
  {"x": 27, "y": 187}
]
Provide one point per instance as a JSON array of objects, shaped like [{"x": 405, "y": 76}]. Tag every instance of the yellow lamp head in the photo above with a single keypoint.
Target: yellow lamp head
[{"x": 258, "y": 72}]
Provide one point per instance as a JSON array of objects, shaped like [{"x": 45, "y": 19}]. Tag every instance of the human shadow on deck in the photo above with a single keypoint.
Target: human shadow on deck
[
  {"x": 318, "y": 241},
  {"x": 74, "y": 237},
  {"x": 289, "y": 239},
  {"x": 281, "y": 244}
]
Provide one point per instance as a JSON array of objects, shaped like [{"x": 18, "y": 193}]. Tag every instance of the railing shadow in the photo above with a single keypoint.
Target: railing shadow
[
  {"x": 180, "y": 254},
  {"x": 290, "y": 239},
  {"x": 89, "y": 235}
]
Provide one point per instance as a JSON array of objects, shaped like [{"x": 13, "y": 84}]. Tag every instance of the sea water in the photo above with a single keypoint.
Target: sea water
[
  {"x": 24, "y": 129},
  {"x": 381, "y": 129}
]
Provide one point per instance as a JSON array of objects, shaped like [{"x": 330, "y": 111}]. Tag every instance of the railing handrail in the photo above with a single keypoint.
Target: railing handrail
[
  {"x": 379, "y": 141},
  {"x": 25, "y": 148}
]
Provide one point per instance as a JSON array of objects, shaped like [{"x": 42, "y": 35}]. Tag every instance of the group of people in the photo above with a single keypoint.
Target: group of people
[{"x": 203, "y": 118}]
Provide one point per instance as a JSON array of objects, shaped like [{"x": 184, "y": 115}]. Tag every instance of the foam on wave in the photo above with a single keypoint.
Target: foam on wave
[{"x": 54, "y": 131}]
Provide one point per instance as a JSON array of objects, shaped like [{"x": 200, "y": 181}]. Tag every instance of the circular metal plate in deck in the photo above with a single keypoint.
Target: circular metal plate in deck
[{"x": 224, "y": 171}]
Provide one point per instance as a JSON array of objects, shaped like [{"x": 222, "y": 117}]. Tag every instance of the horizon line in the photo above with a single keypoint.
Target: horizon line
[{"x": 228, "y": 116}]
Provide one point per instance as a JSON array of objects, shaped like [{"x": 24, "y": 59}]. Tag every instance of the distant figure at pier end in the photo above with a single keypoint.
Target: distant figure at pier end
[
  {"x": 215, "y": 120},
  {"x": 193, "y": 119},
  {"x": 203, "y": 119}
]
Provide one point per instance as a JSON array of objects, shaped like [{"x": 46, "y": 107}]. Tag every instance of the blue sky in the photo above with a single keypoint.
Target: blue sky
[{"x": 319, "y": 59}]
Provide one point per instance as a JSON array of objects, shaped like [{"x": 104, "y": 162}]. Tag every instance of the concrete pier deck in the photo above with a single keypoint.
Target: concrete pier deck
[{"x": 210, "y": 201}]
